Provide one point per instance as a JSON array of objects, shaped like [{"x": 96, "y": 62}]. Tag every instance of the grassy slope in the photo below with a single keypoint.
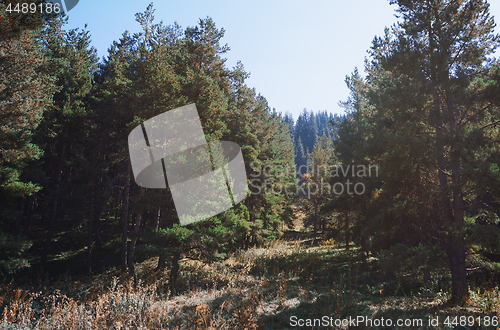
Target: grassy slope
[{"x": 259, "y": 288}]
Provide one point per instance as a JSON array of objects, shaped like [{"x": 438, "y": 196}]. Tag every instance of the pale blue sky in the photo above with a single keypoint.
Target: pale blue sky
[{"x": 298, "y": 53}]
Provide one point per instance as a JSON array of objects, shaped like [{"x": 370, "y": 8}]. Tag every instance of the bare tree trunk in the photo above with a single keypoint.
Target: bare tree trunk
[
  {"x": 427, "y": 274},
  {"x": 31, "y": 207},
  {"x": 50, "y": 231},
  {"x": 133, "y": 242},
  {"x": 125, "y": 214},
  {"x": 315, "y": 217},
  {"x": 175, "y": 271},
  {"x": 20, "y": 218},
  {"x": 346, "y": 230},
  {"x": 131, "y": 246},
  {"x": 156, "y": 219},
  {"x": 54, "y": 208},
  {"x": 364, "y": 248},
  {"x": 97, "y": 215},
  {"x": 162, "y": 262},
  {"x": 459, "y": 286},
  {"x": 453, "y": 214},
  {"x": 89, "y": 243}
]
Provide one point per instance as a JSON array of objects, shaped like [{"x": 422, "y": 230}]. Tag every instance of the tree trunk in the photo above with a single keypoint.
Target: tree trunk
[
  {"x": 175, "y": 271},
  {"x": 315, "y": 220},
  {"x": 453, "y": 215},
  {"x": 162, "y": 262},
  {"x": 364, "y": 248},
  {"x": 124, "y": 223},
  {"x": 21, "y": 216},
  {"x": 456, "y": 248},
  {"x": 31, "y": 207},
  {"x": 156, "y": 220},
  {"x": 427, "y": 274},
  {"x": 459, "y": 286},
  {"x": 97, "y": 216},
  {"x": 346, "y": 230},
  {"x": 51, "y": 227},
  {"x": 89, "y": 244},
  {"x": 133, "y": 242},
  {"x": 50, "y": 231},
  {"x": 131, "y": 250}
]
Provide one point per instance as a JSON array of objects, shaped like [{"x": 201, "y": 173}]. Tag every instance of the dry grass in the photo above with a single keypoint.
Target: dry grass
[{"x": 259, "y": 288}]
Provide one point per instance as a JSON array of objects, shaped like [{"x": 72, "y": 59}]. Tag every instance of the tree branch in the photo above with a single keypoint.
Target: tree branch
[
  {"x": 474, "y": 115},
  {"x": 491, "y": 124}
]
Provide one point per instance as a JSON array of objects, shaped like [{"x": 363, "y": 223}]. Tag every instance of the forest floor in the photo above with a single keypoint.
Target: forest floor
[{"x": 281, "y": 286}]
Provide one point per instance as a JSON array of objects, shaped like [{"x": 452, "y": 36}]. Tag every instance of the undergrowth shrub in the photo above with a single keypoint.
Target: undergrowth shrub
[{"x": 260, "y": 288}]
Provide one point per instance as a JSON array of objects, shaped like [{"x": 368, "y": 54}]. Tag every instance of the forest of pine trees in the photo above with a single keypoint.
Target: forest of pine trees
[
  {"x": 65, "y": 166},
  {"x": 425, "y": 116}
]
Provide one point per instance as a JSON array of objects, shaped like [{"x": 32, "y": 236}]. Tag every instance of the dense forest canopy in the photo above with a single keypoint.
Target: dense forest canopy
[
  {"x": 77, "y": 133},
  {"x": 427, "y": 113}
]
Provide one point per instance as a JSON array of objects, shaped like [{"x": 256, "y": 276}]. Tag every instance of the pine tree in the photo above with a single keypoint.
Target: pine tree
[
  {"x": 306, "y": 130},
  {"x": 90, "y": 109},
  {"x": 25, "y": 93},
  {"x": 426, "y": 119},
  {"x": 161, "y": 68},
  {"x": 66, "y": 132},
  {"x": 288, "y": 118},
  {"x": 317, "y": 180}
]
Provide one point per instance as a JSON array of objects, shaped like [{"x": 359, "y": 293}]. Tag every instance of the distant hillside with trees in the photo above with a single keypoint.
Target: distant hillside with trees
[{"x": 306, "y": 130}]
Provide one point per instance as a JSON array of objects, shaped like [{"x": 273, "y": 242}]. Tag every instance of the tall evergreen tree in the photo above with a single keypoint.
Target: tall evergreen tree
[
  {"x": 66, "y": 132},
  {"x": 306, "y": 129},
  {"x": 288, "y": 118},
  {"x": 161, "y": 68},
  {"x": 25, "y": 93},
  {"x": 427, "y": 121}
]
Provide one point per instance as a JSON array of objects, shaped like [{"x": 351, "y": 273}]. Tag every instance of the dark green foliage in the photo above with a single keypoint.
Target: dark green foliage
[
  {"x": 401, "y": 258},
  {"x": 268, "y": 200},
  {"x": 26, "y": 91},
  {"x": 308, "y": 127},
  {"x": 426, "y": 117},
  {"x": 12, "y": 252},
  {"x": 83, "y": 181},
  {"x": 306, "y": 131}
]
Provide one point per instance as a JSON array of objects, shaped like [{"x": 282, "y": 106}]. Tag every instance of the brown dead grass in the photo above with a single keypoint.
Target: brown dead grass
[{"x": 255, "y": 289}]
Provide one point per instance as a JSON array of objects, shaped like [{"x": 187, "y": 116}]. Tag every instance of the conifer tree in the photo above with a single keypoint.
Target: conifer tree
[
  {"x": 161, "y": 68},
  {"x": 86, "y": 173},
  {"x": 25, "y": 93},
  {"x": 317, "y": 181},
  {"x": 67, "y": 129},
  {"x": 427, "y": 121}
]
